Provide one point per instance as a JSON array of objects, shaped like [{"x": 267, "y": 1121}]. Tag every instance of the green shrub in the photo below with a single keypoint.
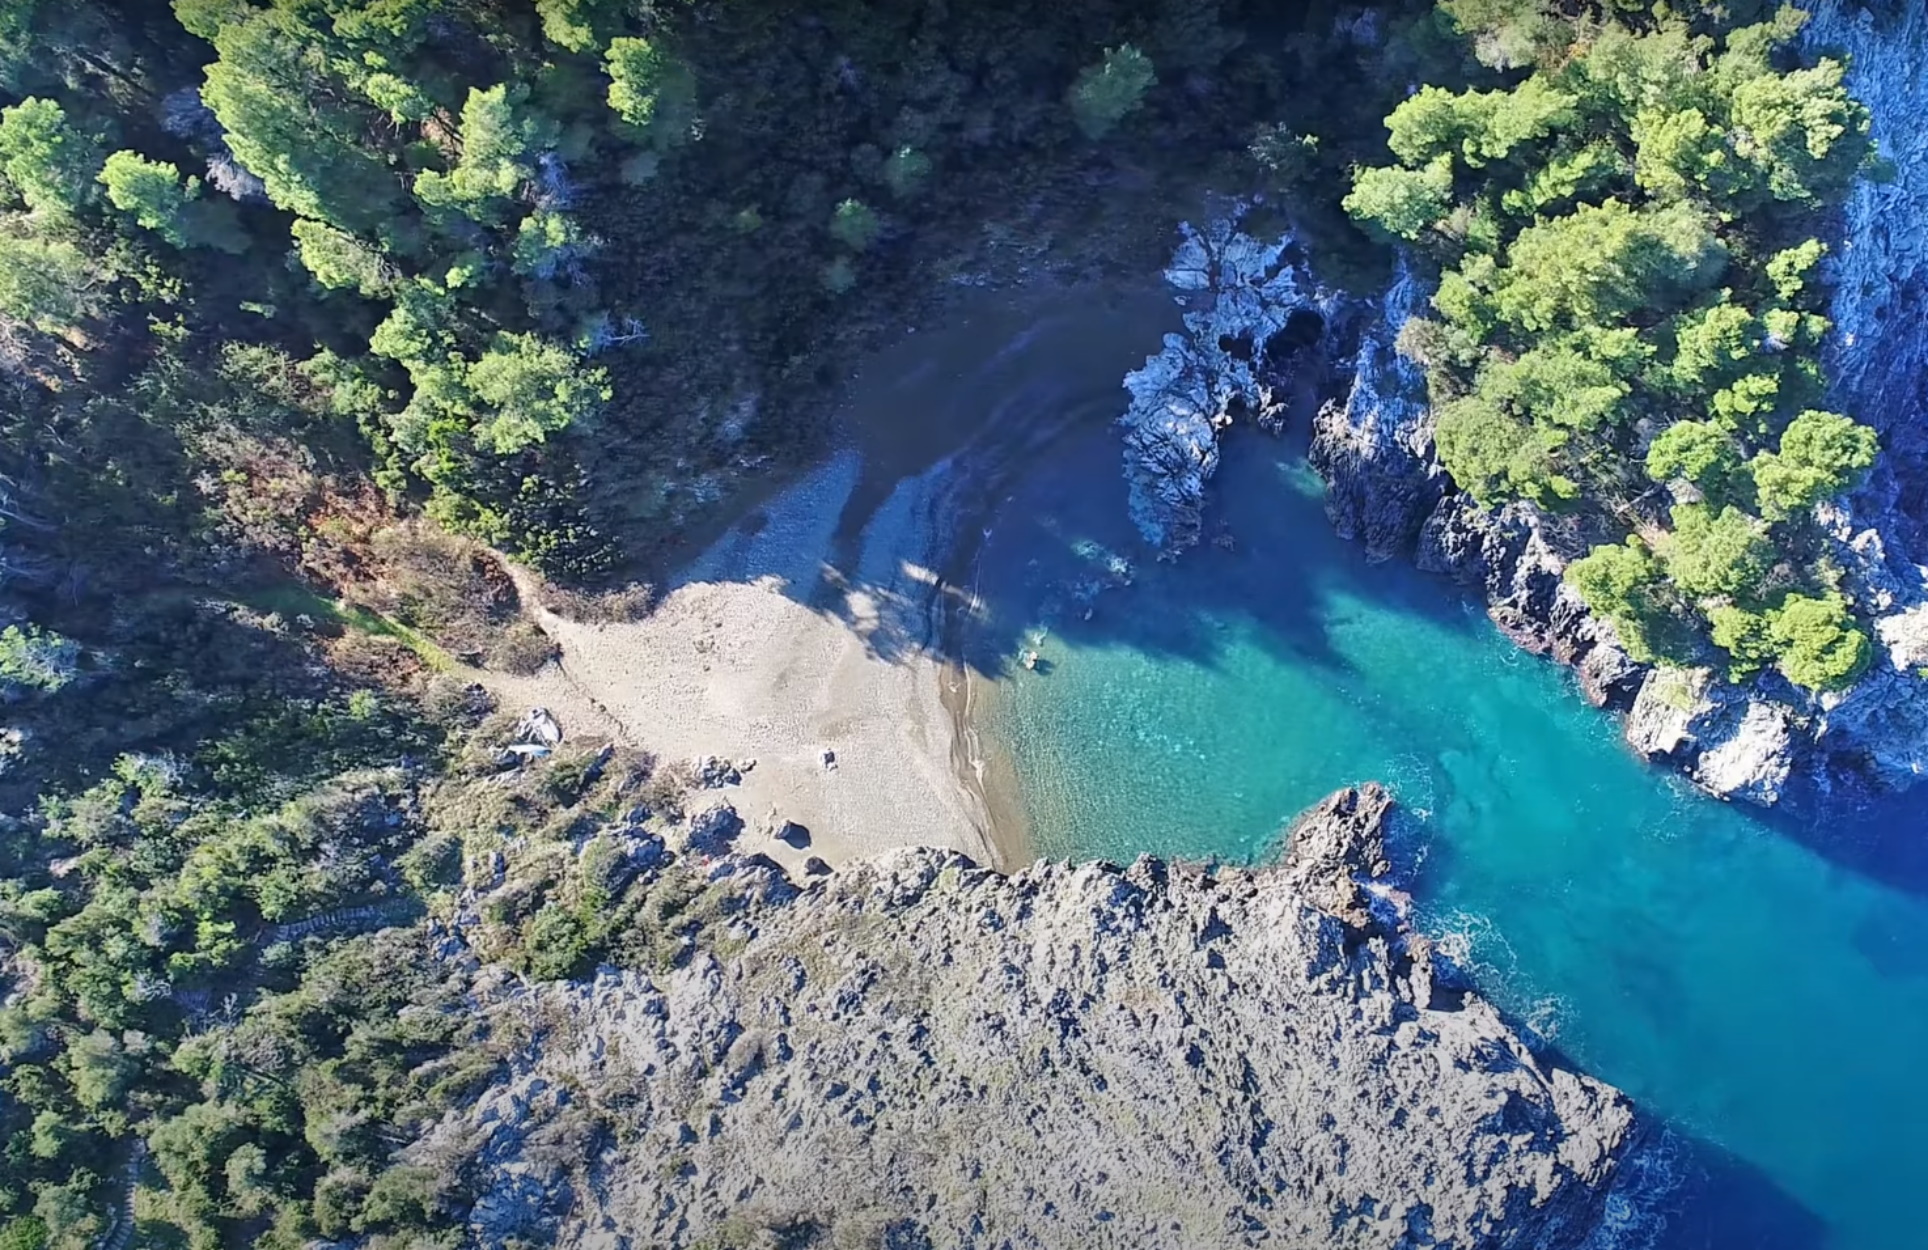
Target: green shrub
[
  {"x": 1821, "y": 645},
  {"x": 1619, "y": 303},
  {"x": 1110, "y": 91},
  {"x": 1724, "y": 553},
  {"x": 32, "y": 658},
  {"x": 1821, "y": 455},
  {"x": 855, "y": 225}
]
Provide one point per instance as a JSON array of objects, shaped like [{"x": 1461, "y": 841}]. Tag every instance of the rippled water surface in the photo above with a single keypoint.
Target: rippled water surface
[{"x": 1761, "y": 985}]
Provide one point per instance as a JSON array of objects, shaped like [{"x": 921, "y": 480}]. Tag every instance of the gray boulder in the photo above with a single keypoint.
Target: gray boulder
[
  {"x": 713, "y": 829},
  {"x": 1733, "y": 744},
  {"x": 713, "y": 773}
]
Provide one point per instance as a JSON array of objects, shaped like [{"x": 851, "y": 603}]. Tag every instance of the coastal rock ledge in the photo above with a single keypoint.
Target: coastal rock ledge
[{"x": 920, "y": 1053}]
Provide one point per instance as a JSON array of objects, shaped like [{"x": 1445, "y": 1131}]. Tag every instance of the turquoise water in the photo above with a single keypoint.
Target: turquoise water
[{"x": 1762, "y": 987}]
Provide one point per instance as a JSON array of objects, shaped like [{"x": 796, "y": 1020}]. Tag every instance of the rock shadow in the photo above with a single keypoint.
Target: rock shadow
[
  {"x": 1883, "y": 837},
  {"x": 1722, "y": 1202},
  {"x": 1065, "y": 564}
]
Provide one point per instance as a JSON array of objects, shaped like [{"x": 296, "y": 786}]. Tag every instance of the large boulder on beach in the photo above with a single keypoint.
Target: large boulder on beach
[
  {"x": 712, "y": 830},
  {"x": 918, "y": 1052}
]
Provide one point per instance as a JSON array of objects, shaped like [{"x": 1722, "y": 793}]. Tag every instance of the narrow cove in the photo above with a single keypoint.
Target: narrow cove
[{"x": 1759, "y": 983}]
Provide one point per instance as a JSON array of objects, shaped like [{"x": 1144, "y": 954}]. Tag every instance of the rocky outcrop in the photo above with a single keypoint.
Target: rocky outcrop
[
  {"x": 917, "y": 1052},
  {"x": 1337, "y": 857},
  {"x": 1254, "y": 317},
  {"x": 1731, "y": 742},
  {"x": 1375, "y": 449},
  {"x": 1517, "y": 560},
  {"x": 1385, "y": 488}
]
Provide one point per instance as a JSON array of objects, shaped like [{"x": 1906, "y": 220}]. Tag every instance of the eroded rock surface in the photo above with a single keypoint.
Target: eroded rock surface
[
  {"x": 918, "y": 1052},
  {"x": 1254, "y": 319},
  {"x": 1517, "y": 560},
  {"x": 1375, "y": 448}
]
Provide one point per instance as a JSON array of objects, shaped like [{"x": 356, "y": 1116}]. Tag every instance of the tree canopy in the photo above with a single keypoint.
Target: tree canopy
[{"x": 1628, "y": 320}]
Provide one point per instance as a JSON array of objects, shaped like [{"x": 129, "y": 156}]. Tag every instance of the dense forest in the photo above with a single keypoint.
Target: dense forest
[
  {"x": 1629, "y": 319},
  {"x": 309, "y": 308}
]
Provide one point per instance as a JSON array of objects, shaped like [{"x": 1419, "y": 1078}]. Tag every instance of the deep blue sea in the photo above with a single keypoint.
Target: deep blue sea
[{"x": 1759, "y": 984}]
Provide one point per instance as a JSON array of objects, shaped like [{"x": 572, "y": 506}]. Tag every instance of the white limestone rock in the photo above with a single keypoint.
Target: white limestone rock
[{"x": 1241, "y": 294}]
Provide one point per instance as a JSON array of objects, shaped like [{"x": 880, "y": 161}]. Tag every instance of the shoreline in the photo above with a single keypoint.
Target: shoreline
[{"x": 828, "y": 632}]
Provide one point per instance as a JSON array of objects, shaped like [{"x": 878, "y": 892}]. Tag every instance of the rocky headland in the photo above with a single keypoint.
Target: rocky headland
[{"x": 920, "y": 1052}]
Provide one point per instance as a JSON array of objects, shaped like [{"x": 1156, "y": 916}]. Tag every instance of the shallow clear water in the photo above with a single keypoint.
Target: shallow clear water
[{"x": 1763, "y": 986}]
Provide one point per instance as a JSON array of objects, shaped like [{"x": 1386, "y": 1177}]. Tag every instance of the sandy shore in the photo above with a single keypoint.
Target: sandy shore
[
  {"x": 817, "y": 636},
  {"x": 768, "y": 650}
]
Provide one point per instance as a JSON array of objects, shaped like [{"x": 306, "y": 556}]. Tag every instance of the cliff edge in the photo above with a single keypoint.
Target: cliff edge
[{"x": 918, "y": 1052}]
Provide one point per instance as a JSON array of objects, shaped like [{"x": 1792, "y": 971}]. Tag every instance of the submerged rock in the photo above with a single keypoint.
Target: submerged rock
[{"x": 916, "y": 1051}]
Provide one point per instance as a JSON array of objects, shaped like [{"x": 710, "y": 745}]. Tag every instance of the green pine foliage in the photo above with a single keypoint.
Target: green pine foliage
[
  {"x": 44, "y": 160},
  {"x": 1628, "y": 320},
  {"x": 1110, "y": 91}
]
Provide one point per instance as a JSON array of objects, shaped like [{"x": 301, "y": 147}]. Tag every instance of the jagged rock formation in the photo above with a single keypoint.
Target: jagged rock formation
[
  {"x": 1518, "y": 559},
  {"x": 1254, "y": 315},
  {"x": 1375, "y": 450},
  {"x": 917, "y": 1052}
]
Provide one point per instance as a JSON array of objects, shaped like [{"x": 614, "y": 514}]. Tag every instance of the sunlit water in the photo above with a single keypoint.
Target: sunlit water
[{"x": 1761, "y": 987}]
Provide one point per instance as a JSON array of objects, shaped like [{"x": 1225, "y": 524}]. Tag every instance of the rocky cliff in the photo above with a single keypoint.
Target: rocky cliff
[
  {"x": 917, "y": 1052},
  {"x": 1372, "y": 442},
  {"x": 1374, "y": 447}
]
